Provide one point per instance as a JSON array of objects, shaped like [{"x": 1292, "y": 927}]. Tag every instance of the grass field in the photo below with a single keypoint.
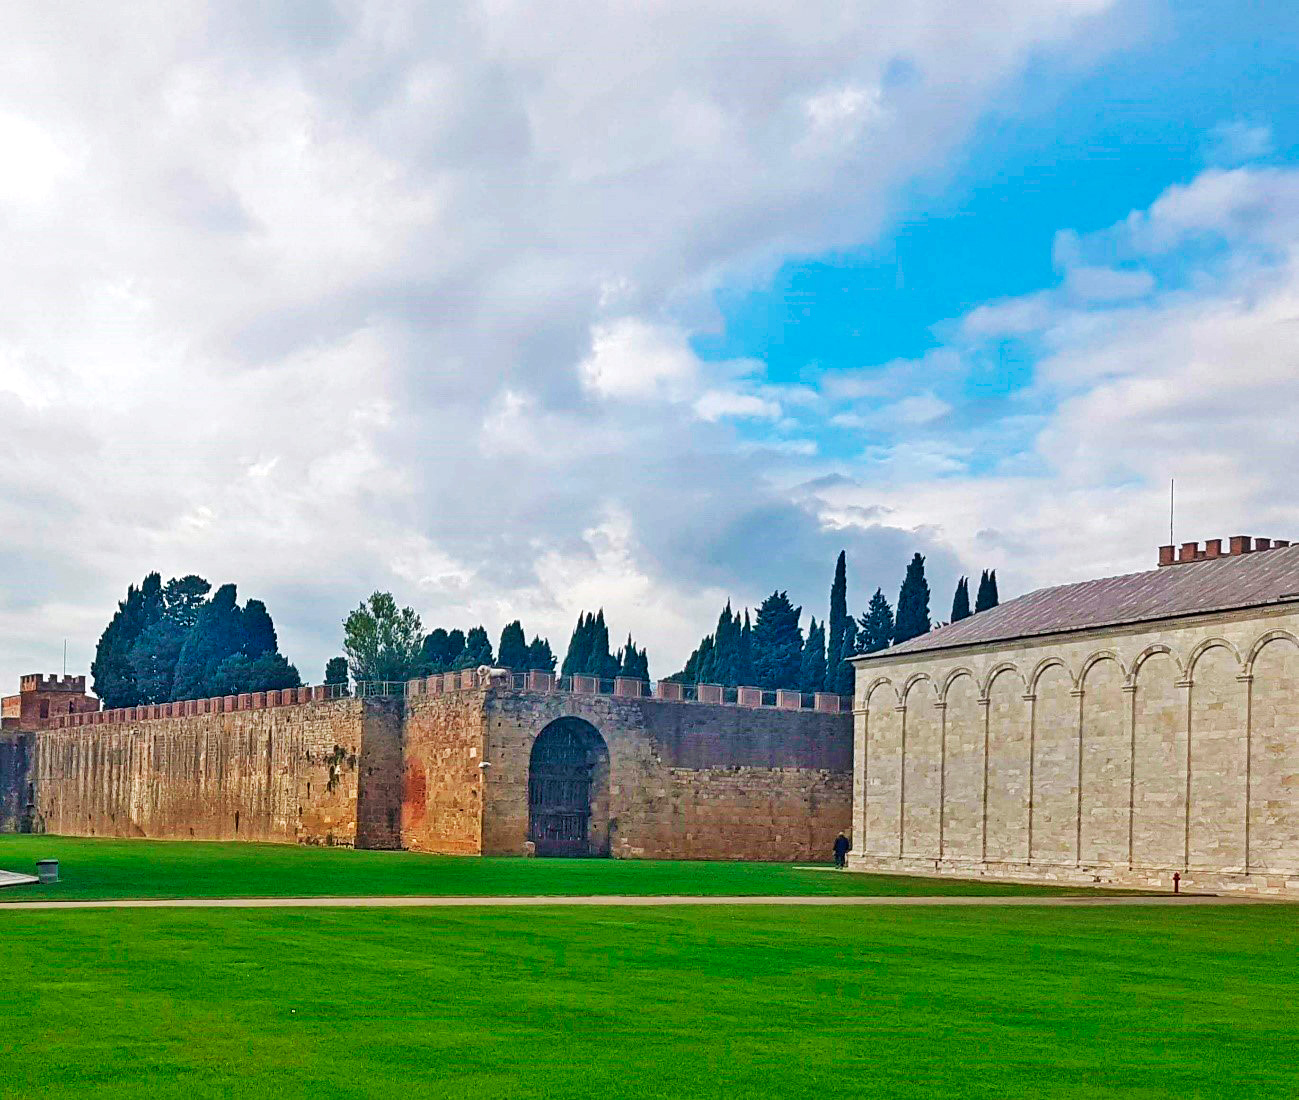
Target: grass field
[
  {"x": 656, "y": 1002},
  {"x": 169, "y": 869}
]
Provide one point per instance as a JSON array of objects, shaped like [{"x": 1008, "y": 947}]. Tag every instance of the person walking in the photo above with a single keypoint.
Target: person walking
[{"x": 841, "y": 846}]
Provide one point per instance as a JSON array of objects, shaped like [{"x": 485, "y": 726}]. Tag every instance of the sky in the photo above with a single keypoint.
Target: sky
[{"x": 518, "y": 309}]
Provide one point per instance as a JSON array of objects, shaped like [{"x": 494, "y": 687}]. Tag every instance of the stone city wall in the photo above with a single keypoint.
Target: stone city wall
[
  {"x": 686, "y": 780},
  {"x": 1118, "y": 755},
  {"x": 288, "y": 773},
  {"x": 442, "y": 765}
]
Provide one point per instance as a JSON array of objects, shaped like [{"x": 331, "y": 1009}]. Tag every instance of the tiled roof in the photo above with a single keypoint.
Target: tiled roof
[{"x": 1219, "y": 584}]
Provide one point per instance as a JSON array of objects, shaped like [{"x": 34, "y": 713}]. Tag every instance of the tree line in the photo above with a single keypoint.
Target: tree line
[
  {"x": 171, "y": 641},
  {"x": 770, "y": 651},
  {"x": 384, "y": 642}
]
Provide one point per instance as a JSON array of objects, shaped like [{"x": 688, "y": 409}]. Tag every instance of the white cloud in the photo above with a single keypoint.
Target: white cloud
[
  {"x": 423, "y": 268},
  {"x": 716, "y": 404},
  {"x": 1237, "y": 142}
]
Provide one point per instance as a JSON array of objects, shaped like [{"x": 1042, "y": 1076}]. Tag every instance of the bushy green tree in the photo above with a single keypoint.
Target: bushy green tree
[
  {"x": 812, "y": 671},
  {"x": 336, "y": 671},
  {"x": 876, "y": 625},
  {"x": 961, "y": 601},
  {"x": 986, "y": 598},
  {"x": 777, "y": 643},
  {"x": 382, "y": 641},
  {"x": 913, "y": 603}
]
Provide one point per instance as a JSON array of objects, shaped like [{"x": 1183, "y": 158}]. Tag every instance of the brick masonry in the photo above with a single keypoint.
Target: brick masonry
[
  {"x": 443, "y": 771},
  {"x": 288, "y": 774},
  {"x": 1117, "y": 755}
]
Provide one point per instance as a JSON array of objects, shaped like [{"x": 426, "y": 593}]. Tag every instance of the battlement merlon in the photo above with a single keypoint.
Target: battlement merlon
[{"x": 35, "y": 682}]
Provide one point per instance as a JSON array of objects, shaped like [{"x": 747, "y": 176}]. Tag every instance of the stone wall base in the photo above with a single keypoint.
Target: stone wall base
[{"x": 1281, "y": 884}]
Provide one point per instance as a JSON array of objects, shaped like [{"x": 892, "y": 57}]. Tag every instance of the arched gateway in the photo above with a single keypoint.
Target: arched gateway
[{"x": 568, "y": 790}]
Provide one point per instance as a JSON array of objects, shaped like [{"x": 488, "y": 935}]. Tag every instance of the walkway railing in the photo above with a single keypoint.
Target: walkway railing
[
  {"x": 475, "y": 679},
  {"x": 623, "y": 687}
]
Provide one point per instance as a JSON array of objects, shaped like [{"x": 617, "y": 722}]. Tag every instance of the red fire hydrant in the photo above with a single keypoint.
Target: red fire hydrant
[{"x": 1177, "y": 882}]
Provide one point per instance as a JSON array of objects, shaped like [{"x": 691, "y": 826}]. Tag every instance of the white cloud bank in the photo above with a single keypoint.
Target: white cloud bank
[{"x": 321, "y": 300}]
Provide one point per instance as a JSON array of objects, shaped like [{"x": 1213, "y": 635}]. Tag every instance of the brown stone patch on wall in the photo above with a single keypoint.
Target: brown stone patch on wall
[
  {"x": 287, "y": 774},
  {"x": 442, "y": 808}
]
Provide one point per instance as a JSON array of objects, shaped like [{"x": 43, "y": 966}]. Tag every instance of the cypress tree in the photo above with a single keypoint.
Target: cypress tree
[
  {"x": 113, "y": 669},
  {"x": 839, "y": 620},
  {"x": 579, "y": 647},
  {"x": 602, "y": 664},
  {"x": 811, "y": 672},
  {"x": 913, "y": 603},
  {"x": 777, "y": 643},
  {"x": 258, "y": 631},
  {"x": 433, "y": 652},
  {"x": 632, "y": 662},
  {"x": 842, "y": 682},
  {"x": 961, "y": 601},
  {"x": 477, "y": 651},
  {"x": 513, "y": 650},
  {"x": 217, "y": 634},
  {"x": 876, "y": 625},
  {"x": 540, "y": 656},
  {"x": 986, "y": 597},
  {"x": 744, "y": 673}
]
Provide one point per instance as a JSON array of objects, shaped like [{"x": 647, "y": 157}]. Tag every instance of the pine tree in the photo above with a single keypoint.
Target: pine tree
[
  {"x": 839, "y": 619},
  {"x": 540, "y": 656},
  {"x": 986, "y": 598},
  {"x": 961, "y": 601},
  {"x": 811, "y": 672},
  {"x": 513, "y": 650},
  {"x": 842, "y": 683},
  {"x": 913, "y": 603},
  {"x": 876, "y": 625},
  {"x": 777, "y": 643},
  {"x": 382, "y": 641}
]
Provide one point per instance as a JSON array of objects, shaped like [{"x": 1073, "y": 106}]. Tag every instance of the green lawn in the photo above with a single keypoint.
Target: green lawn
[
  {"x": 597, "y": 1003},
  {"x": 170, "y": 869}
]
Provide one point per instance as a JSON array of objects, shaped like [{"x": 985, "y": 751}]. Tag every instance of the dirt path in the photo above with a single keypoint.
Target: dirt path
[{"x": 1080, "y": 901}]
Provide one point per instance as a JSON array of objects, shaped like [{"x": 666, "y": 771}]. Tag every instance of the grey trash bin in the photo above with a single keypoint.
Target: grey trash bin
[{"x": 47, "y": 870}]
